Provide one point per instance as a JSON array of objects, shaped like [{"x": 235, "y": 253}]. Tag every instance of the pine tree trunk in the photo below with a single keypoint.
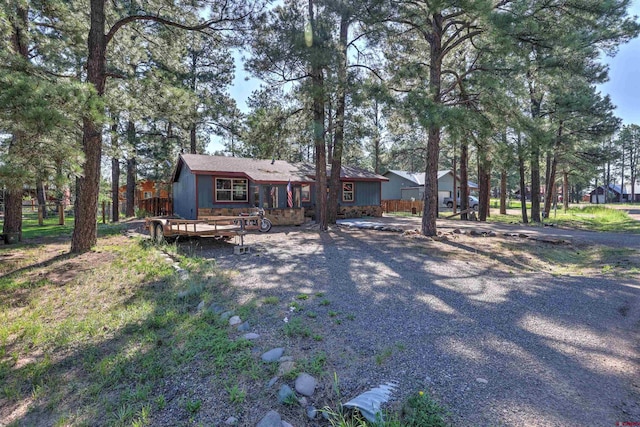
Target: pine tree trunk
[
  {"x": 464, "y": 179},
  {"x": 85, "y": 232},
  {"x": 565, "y": 190},
  {"x": 131, "y": 171},
  {"x": 552, "y": 166},
  {"x": 484, "y": 178},
  {"x": 131, "y": 188},
  {"x": 320, "y": 149},
  {"x": 317, "y": 81},
  {"x": 115, "y": 189},
  {"x": 454, "y": 198},
  {"x": 535, "y": 182},
  {"x": 430, "y": 211},
  {"x": 193, "y": 146},
  {"x": 523, "y": 187},
  {"x": 12, "y": 223},
  {"x": 550, "y": 185},
  {"x": 376, "y": 139},
  {"x": 534, "y": 161},
  {"x": 41, "y": 196},
  {"x": 335, "y": 185},
  {"x": 503, "y": 192}
]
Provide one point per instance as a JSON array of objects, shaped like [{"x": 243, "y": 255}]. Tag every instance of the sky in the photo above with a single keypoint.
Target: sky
[
  {"x": 623, "y": 86},
  {"x": 624, "y": 70}
]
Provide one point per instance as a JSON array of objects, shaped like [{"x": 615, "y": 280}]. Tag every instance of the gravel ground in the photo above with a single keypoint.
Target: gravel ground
[{"x": 496, "y": 346}]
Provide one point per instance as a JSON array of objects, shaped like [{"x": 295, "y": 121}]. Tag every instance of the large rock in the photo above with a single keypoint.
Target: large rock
[
  {"x": 272, "y": 419},
  {"x": 306, "y": 384},
  {"x": 273, "y": 355},
  {"x": 285, "y": 394},
  {"x": 251, "y": 336},
  {"x": 286, "y": 367}
]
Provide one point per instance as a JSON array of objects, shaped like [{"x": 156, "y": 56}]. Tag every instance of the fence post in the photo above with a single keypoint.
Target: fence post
[{"x": 60, "y": 214}]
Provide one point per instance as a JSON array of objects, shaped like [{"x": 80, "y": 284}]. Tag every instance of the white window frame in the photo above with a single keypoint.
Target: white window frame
[
  {"x": 307, "y": 191},
  {"x": 237, "y": 185},
  {"x": 345, "y": 192}
]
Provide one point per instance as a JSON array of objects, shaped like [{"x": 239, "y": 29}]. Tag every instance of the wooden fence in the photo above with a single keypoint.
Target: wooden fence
[
  {"x": 156, "y": 206},
  {"x": 414, "y": 207}
]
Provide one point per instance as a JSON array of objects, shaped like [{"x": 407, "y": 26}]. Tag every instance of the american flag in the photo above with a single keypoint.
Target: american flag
[{"x": 289, "y": 195}]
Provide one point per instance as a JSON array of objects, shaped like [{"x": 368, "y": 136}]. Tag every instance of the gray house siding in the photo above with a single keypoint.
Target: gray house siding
[
  {"x": 392, "y": 189},
  {"x": 445, "y": 183},
  {"x": 365, "y": 194},
  {"x": 184, "y": 195},
  {"x": 415, "y": 193},
  {"x": 205, "y": 191}
]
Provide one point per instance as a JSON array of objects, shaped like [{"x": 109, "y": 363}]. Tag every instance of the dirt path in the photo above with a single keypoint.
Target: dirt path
[{"x": 496, "y": 345}]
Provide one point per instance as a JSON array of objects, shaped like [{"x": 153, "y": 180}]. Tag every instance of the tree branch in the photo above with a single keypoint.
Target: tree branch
[{"x": 133, "y": 18}]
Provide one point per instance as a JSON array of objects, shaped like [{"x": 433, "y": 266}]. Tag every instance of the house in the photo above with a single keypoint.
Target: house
[
  {"x": 608, "y": 194},
  {"x": 149, "y": 196},
  {"x": 633, "y": 194},
  {"x": 404, "y": 185},
  {"x": 146, "y": 189},
  {"x": 216, "y": 185}
]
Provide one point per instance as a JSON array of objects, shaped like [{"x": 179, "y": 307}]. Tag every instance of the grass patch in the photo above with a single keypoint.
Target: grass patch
[
  {"x": 420, "y": 410},
  {"x": 591, "y": 217},
  {"x": 580, "y": 260},
  {"x": 51, "y": 228},
  {"x": 95, "y": 336},
  {"x": 315, "y": 364},
  {"x": 296, "y": 328},
  {"x": 271, "y": 300}
]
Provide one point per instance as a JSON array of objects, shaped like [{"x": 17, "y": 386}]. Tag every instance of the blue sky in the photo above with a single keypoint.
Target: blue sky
[{"x": 623, "y": 85}]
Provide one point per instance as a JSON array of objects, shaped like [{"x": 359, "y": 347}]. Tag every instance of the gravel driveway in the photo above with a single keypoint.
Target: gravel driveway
[{"x": 496, "y": 346}]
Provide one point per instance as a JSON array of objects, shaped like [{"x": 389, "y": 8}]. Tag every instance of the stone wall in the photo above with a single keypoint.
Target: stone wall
[
  {"x": 289, "y": 216},
  {"x": 359, "y": 211}
]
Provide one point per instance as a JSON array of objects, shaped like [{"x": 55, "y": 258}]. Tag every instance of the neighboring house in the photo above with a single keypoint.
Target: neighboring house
[
  {"x": 611, "y": 193},
  {"x": 149, "y": 196},
  {"x": 404, "y": 185},
  {"x": 216, "y": 185},
  {"x": 146, "y": 189},
  {"x": 636, "y": 192}
]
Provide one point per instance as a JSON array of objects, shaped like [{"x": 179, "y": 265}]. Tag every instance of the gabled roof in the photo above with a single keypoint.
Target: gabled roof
[
  {"x": 264, "y": 171},
  {"x": 419, "y": 177},
  {"x": 616, "y": 189},
  {"x": 415, "y": 177}
]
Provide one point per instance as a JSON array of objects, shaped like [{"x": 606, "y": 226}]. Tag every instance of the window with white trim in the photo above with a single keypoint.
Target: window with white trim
[
  {"x": 347, "y": 192},
  {"x": 305, "y": 191},
  {"x": 231, "y": 190}
]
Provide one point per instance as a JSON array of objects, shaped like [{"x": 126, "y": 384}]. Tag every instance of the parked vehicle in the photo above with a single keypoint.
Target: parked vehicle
[
  {"x": 257, "y": 220},
  {"x": 473, "y": 202}
]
